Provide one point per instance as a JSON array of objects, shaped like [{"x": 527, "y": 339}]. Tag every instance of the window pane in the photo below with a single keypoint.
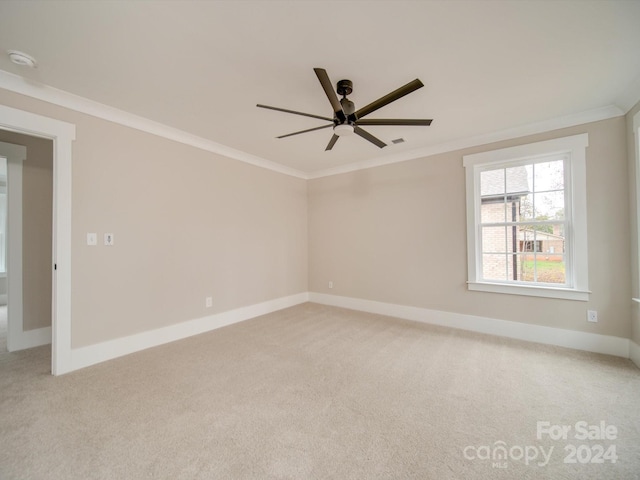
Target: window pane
[
  {"x": 551, "y": 270},
  {"x": 526, "y": 207},
  {"x": 549, "y": 206},
  {"x": 549, "y": 176},
  {"x": 494, "y": 267},
  {"x": 492, "y": 211},
  {"x": 552, "y": 238},
  {"x": 494, "y": 239},
  {"x": 492, "y": 182},
  {"x": 518, "y": 179},
  {"x": 525, "y": 268}
]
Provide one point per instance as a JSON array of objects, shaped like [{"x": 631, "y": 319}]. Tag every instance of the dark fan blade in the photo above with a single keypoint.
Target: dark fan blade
[
  {"x": 367, "y": 136},
  {"x": 305, "y": 131},
  {"x": 332, "y": 142},
  {"x": 295, "y": 113},
  {"x": 394, "y": 121},
  {"x": 322, "y": 75},
  {"x": 391, "y": 97}
]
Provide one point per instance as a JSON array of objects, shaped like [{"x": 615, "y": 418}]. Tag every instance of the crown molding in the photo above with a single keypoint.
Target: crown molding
[
  {"x": 40, "y": 91},
  {"x": 589, "y": 116}
]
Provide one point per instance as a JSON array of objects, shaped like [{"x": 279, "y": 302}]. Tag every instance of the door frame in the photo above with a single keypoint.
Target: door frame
[{"x": 63, "y": 134}]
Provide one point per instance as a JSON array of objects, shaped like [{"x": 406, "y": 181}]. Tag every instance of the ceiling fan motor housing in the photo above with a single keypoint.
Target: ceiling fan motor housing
[{"x": 345, "y": 87}]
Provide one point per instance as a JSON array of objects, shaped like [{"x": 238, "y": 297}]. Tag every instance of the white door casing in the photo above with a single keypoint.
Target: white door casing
[{"x": 62, "y": 134}]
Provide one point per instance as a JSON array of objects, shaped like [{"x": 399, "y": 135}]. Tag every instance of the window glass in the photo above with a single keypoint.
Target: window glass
[{"x": 523, "y": 218}]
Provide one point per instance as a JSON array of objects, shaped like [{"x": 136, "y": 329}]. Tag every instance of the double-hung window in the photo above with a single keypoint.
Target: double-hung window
[{"x": 526, "y": 219}]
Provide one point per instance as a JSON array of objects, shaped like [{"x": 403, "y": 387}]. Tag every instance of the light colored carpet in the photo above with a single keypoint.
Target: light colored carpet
[{"x": 315, "y": 392}]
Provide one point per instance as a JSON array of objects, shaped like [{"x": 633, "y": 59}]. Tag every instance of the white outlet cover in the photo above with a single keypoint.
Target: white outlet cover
[{"x": 108, "y": 239}]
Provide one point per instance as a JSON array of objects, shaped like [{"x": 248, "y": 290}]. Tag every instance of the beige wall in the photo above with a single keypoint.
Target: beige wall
[
  {"x": 397, "y": 234},
  {"x": 635, "y": 274},
  {"x": 37, "y": 198},
  {"x": 187, "y": 224}
]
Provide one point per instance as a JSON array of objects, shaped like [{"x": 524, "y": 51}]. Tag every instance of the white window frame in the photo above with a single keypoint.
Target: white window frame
[{"x": 574, "y": 148}]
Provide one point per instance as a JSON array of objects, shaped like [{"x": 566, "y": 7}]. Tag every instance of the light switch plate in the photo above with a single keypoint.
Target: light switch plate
[
  {"x": 92, "y": 239},
  {"x": 108, "y": 239}
]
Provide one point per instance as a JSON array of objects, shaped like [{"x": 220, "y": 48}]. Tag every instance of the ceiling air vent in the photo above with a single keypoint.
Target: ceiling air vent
[{"x": 398, "y": 140}]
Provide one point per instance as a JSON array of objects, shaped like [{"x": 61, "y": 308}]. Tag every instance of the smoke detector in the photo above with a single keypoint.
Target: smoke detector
[{"x": 22, "y": 59}]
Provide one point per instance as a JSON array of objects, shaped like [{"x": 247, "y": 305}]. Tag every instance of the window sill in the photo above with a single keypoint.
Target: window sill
[{"x": 531, "y": 291}]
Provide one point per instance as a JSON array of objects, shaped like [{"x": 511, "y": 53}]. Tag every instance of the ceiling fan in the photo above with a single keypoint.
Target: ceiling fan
[{"x": 346, "y": 119}]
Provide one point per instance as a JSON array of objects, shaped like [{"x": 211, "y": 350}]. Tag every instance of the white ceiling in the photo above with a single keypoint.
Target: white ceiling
[{"x": 201, "y": 67}]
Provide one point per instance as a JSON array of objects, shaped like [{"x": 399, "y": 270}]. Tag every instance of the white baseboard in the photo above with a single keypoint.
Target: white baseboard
[
  {"x": 92, "y": 354},
  {"x": 30, "y": 339},
  {"x": 634, "y": 352},
  {"x": 590, "y": 342}
]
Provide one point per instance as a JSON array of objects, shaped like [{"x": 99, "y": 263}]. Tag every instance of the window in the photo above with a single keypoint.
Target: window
[{"x": 526, "y": 219}]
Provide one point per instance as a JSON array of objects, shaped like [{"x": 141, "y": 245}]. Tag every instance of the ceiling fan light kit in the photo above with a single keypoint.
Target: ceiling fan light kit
[
  {"x": 343, "y": 129},
  {"x": 346, "y": 119}
]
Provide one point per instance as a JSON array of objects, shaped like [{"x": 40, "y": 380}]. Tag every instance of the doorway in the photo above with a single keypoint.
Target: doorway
[
  {"x": 26, "y": 194},
  {"x": 62, "y": 134}
]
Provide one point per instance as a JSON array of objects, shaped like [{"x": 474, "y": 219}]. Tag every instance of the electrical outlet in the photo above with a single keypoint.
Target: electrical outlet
[
  {"x": 330, "y": 284},
  {"x": 592, "y": 316},
  {"x": 208, "y": 302}
]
